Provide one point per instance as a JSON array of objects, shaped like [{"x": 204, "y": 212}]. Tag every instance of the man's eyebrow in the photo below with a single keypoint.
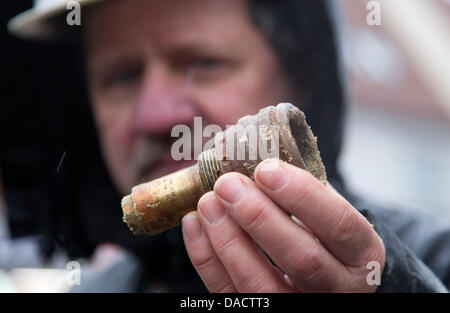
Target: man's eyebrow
[
  {"x": 106, "y": 67},
  {"x": 102, "y": 67},
  {"x": 196, "y": 47}
]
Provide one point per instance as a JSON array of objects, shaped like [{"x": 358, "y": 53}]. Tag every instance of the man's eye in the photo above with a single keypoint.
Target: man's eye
[
  {"x": 206, "y": 69},
  {"x": 207, "y": 63},
  {"x": 123, "y": 78}
]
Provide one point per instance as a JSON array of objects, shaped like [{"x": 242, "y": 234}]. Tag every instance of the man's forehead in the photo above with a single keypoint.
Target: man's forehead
[
  {"x": 164, "y": 21},
  {"x": 126, "y": 26}
]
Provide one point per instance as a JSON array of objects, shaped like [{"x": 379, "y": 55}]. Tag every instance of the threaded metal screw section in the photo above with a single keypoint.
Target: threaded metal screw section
[{"x": 210, "y": 168}]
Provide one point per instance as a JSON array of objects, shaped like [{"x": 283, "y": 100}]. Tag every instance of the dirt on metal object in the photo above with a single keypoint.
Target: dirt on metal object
[{"x": 160, "y": 204}]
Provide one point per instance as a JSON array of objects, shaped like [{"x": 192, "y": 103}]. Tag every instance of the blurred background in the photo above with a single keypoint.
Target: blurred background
[
  {"x": 396, "y": 151},
  {"x": 397, "y": 138}
]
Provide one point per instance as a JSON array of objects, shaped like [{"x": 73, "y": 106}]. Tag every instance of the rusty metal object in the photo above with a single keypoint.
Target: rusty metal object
[{"x": 159, "y": 205}]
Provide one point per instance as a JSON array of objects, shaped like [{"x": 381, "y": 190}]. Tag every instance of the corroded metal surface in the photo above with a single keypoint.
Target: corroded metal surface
[{"x": 159, "y": 205}]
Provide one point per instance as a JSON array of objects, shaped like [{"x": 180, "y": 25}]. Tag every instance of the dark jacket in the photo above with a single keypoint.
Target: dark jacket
[{"x": 417, "y": 249}]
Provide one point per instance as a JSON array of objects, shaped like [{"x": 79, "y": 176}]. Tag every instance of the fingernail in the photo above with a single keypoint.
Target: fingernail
[
  {"x": 271, "y": 174},
  {"x": 229, "y": 188},
  {"x": 192, "y": 226},
  {"x": 211, "y": 210}
]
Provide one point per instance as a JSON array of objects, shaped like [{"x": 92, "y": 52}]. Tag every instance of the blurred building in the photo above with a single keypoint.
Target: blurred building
[{"x": 397, "y": 139}]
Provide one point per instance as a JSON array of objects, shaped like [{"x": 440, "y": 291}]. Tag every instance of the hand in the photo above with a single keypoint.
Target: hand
[{"x": 317, "y": 240}]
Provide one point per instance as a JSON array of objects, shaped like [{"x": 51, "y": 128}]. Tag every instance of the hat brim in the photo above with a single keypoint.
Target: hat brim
[{"x": 39, "y": 23}]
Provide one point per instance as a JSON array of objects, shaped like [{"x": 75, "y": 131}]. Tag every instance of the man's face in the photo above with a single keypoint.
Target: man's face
[{"x": 152, "y": 65}]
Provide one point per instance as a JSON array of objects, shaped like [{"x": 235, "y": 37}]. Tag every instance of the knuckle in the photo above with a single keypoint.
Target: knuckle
[
  {"x": 257, "y": 284},
  {"x": 202, "y": 264},
  {"x": 303, "y": 190},
  {"x": 305, "y": 262},
  {"x": 374, "y": 253},
  {"x": 346, "y": 227},
  {"x": 228, "y": 288},
  {"x": 254, "y": 216},
  {"x": 226, "y": 245},
  {"x": 376, "y": 250}
]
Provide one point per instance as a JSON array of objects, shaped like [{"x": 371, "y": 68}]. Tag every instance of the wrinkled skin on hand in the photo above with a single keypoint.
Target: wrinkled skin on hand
[{"x": 317, "y": 241}]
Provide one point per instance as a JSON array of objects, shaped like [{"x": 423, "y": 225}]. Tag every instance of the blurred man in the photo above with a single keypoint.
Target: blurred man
[{"x": 151, "y": 65}]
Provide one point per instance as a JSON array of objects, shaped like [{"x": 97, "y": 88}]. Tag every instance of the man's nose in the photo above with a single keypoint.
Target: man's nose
[{"x": 162, "y": 103}]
